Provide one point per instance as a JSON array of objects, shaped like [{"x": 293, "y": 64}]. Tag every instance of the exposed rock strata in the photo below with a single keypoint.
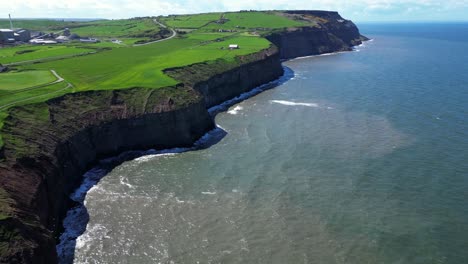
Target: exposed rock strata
[{"x": 333, "y": 34}]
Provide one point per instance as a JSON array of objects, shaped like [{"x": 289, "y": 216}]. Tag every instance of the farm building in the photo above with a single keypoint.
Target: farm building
[
  {"x": 233, "y": 46},
  {"x": 7, "y": 36}
]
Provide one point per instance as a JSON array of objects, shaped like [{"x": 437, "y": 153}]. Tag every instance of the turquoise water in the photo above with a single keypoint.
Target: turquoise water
[{"x": 361, "y": 157}]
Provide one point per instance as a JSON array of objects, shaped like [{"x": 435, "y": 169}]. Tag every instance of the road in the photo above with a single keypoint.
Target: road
[{"x": 174, "y": 33}]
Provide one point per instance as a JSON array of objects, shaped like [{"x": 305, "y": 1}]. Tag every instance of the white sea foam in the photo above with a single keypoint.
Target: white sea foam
[
  {"x": 289, "y": 103},
  {"x": 167, "y": 152},
  {"x": 320, "y": 55},
  {"x": 124, "y": 181},
  {"x": 235, "y": 110}
]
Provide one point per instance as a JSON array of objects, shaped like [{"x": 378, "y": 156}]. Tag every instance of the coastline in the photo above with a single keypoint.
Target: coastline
[
  {"x": 74, "y": 223},
  {"x": 70, "y": 161}
]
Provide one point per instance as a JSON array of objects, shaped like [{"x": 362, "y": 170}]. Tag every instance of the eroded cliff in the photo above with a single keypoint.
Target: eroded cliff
[
  {"x": 333, "y": 33},
  {"x": 48, "y": 146}
]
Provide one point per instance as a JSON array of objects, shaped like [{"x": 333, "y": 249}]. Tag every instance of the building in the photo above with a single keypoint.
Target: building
[
  {"x": 23, "y": 35},
  {"x": 7, "y": 36},
  {"x": 233, "y": 46}
]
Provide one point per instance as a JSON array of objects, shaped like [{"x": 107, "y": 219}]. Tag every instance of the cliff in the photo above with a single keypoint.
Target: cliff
[
  {"x": 333, "y": 33},
  {"x": 226, "y": 80},
  {"x": 48, "y": 154},
  {"x": 48, "y": 146}
]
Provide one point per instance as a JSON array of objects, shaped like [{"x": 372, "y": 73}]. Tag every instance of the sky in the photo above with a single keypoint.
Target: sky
[{"x": 357, "y": 10}]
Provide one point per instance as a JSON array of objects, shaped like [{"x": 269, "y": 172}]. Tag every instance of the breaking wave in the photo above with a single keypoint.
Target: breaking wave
[{"x": 289, "y": 103}]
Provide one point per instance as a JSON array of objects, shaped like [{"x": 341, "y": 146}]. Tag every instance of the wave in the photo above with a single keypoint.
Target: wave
[
  {"x": 209, "y": 193},
  {"x": 235, "y": 110},
  {"x": 320, "y": 55},
  {"x": 289, "y": 103}
]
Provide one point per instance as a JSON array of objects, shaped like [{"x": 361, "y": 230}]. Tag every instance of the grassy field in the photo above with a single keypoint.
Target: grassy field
[
  {"x": 122, "y": 66},
  {"x": 34, "y": 52},
  {"x": 252, "y": 20},
  {"x": 191, "y": 21},
  {"x": 15, "y": 81},
  {"x": 114, "y": 28},
  {"x": 112, "y": 70}
]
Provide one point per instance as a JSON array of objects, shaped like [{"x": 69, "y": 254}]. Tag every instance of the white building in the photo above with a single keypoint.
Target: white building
[{"x": 233, "y": 46}]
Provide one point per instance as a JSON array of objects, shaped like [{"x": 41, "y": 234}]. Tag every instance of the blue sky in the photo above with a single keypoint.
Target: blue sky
[{"x": 359, "y": 10}]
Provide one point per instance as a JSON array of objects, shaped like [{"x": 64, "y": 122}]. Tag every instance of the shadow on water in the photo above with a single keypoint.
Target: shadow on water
[{"x": 77, "y": 218}]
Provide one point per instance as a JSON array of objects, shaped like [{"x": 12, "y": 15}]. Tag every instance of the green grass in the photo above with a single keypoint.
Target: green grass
[
  {"x": 143, "y": 66},
  {"x": 251, "y": 20},
  {"x": 13, "y": 81},
  {"x": 113, "y": 28},
  {"x": 35, "y": 52},
  {"x": 190, "y": 21},
  {"x": 124, "y": 66},
  {"x": 32, "y": 95}
]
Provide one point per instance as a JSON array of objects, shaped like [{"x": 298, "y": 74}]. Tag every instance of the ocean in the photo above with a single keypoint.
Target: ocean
[{"x": 356, "y": 157}]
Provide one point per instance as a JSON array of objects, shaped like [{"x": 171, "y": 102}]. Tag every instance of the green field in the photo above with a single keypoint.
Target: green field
[
  {"x": 113, "y": 28},
  {"x": 35, "y": 52},
  {"x": 253, "y": 20},
  {"x": 14, "y": 81},
  {"x": 191, "y": 21},
  {"x": 121, "y": 66},
  {"x": 112, "y": 70},
  {"x": 127, "y": 30}
]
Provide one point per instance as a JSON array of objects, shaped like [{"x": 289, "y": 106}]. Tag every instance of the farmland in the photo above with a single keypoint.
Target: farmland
[
  {"x": 108, "y": 66},
  {"x": 32, "y": 52}
]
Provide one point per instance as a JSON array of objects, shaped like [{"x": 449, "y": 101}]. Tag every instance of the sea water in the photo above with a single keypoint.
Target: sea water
[{"x": 360, "y": 157}]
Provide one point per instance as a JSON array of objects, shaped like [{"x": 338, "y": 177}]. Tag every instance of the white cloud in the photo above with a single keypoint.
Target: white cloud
[{"x": 358, "y": 10}]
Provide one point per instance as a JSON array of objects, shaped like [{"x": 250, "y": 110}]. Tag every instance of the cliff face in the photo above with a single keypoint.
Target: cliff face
[
  {"x": 227, "y": 81},
  {"x": 332, "y": 34},
  {"x": 49, "y": 146},
  {"x": 75, "y": 131}
]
